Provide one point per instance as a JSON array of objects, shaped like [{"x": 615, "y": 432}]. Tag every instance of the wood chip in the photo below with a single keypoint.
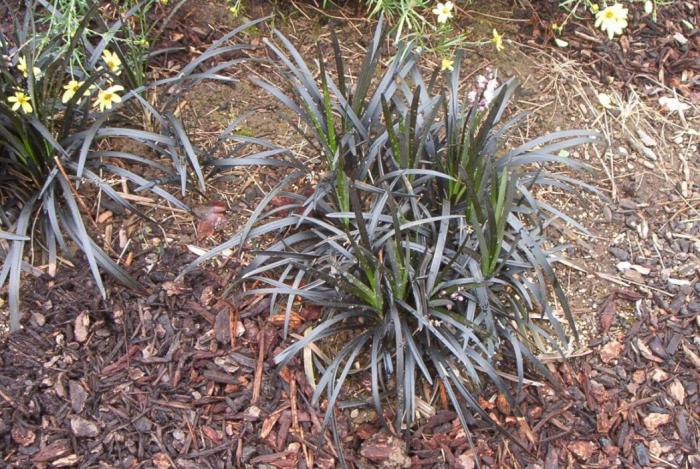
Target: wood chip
[
  {"x": 646, "y": 352},
  {"x": 582, "y": 450},
  {"x": 611, "y": 351},
  {"x": 654, "y": 420},
  {"x": 82, "y": 325},
  {"x": 677, "y": 391},
  {"x": 83, "y": 427},
  {"x": 78, "y": 396}
]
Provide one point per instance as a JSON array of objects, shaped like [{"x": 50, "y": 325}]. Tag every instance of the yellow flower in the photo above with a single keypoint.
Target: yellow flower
[
  {"x": 105, "y": 98},
  {"x": 22, "y": 67},
  {"x": 612, "y": 20},
  {"x": 163, "y": 2},
  {"x": 20, "y": 100},
  {"x": 71, "y": 88},
  {"x": 497, "y": 40},
  {"x": 443, "y": 11},
  {"x": 595, "y": 8},
  {"x": 112, "y": 61},
  {"x": 447, "y": 64}
]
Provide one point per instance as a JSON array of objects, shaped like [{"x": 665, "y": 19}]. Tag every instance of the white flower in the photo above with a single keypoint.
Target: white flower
[
  {"x": 443, "y": 11},
  {"x": 605, "y": 100},
  {"x": 490, "y": 91},
  {"x": 560, "y": 42},
  {"x": 486, "y": 92},
  {"x": 673, "y": 104},
  {"x": 612, "y": 20}
]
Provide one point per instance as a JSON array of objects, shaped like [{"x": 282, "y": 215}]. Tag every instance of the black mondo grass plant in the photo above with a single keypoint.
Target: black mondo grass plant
[
  {"x": 424, "y": 245},
  {"x": 67, "y": 129}
]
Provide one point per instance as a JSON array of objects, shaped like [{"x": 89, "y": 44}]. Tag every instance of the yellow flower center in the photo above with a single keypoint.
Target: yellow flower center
[{"x": 610, "y": 15}]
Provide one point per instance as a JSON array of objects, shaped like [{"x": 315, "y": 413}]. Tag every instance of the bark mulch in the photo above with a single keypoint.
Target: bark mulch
[
  {"x": 649, "y": 52},
  {"x": 154, "y": 381},
  {"x": 182, "y": 378}
]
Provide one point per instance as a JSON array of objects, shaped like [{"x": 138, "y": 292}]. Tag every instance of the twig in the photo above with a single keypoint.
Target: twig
[
  {"x": 14, "y": 404},
  {"x": 550, "y": 416},
  {"x": 627, "y": 283},
  {"x": 257, "y": 381},
  {"x": 295, "y": 421},
  {"x": 555, "y": 357},
  {"x": 232, "y": 324}
]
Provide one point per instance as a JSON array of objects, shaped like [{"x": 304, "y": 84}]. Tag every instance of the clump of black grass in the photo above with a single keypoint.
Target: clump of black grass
[{"x": 424, "y": 246}]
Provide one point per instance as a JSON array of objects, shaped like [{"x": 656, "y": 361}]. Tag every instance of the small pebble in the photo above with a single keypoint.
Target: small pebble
[
  {"x": 620, "y": 253},
  {"x": 607, "y": 213}
]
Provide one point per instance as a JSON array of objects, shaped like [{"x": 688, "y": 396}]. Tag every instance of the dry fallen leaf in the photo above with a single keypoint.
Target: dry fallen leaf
[
  {"x": 611, "y": 351},
  {"x": 677, "y": 391},
  {"x": 655, "y": 420},
  {"x": 503, "y": 404},
  {"x": 211, "y": 217}
]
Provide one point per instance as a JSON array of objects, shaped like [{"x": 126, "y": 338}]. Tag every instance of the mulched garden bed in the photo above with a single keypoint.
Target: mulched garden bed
[
  {"x": 650, "y": 52},
  {"x": 154, "y": 381},
  {"x": 180, "y": 377}
]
